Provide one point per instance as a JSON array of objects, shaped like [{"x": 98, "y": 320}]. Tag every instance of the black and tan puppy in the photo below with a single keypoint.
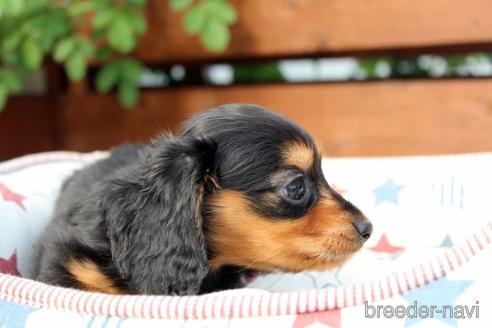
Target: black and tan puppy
[{"x": 240, "y": 188}]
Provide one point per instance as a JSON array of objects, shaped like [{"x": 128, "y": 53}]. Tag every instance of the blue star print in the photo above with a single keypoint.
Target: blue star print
[
  {"x": 447, "y": 242},
  {"x": 388, "y": 192},
  {"x": 442, "y": 294},
  {"x": 13, "y": 315}
]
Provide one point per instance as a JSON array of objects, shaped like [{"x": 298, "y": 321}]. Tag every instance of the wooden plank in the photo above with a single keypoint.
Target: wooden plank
[
  {"x": 348, "y": 119},
  {"x": 319, "y": 27},
  {"x": 27, "y": 125}
]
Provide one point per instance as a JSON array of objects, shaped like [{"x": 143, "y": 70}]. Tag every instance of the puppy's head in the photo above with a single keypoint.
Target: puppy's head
[{"x": 267, "y": 204}]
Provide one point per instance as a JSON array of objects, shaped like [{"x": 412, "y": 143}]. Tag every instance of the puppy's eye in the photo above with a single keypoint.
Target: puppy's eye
[{"x": 296, "y": 189}]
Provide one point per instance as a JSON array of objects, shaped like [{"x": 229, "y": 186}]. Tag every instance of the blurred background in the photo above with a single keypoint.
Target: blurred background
[{"x": 365, "y": 77}]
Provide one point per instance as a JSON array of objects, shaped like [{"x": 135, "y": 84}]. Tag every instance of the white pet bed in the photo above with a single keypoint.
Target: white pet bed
[{"x": 431, "y": 245}]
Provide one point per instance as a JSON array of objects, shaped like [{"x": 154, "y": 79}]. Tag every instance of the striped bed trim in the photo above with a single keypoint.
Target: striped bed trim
[
  {"x": 241, "y": 304},
  {"x": 231, "y": 303}
]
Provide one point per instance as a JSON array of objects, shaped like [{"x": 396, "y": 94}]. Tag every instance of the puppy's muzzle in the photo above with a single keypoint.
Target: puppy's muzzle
[{"x": 362, "y": 226}]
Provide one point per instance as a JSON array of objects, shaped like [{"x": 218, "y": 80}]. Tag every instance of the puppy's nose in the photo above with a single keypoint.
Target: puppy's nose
[
  {"x": 363, "y": 227},
  {"x": 359, "y": 221}
]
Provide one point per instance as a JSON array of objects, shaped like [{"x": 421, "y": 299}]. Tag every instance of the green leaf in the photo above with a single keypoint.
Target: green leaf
[
  {"x": 63, "y": 49},
  {"x": 103, "y": 3},
  {"x": 130, "y": 70},
  {"x": 103, "y": 18},
  {"x": 98, "y": 34},
  {"x": 11, "y": 58},
  {"x": 216, "y": 36},
  {"x": 31, "y": 54},
  {"x": 178, "y": 5},
  {"x": 32, "y": 6},
  {"x": 54, "y": 25},
  {"x": 128, "y": 94},
  {"x": 76, "y": 67},
  {"x": 80, "y": 8},
  {"x": 13, "y": 7},
  {"x": 106, "y": 78},
  {"x": 120, "y": 36},
  {"x": 135, "y": 2},
  {"x": 137, "y": 22},
  {"x": 195, "y": 19},
  {"x": 86, "y": 47},
  {"x": 3, "y": 97},
  {"x": 222, "y": 11},
  {"x": 11, "y": 82},
  {"x": 11, "y": 41},
  {"x": 103, "y": 53}
]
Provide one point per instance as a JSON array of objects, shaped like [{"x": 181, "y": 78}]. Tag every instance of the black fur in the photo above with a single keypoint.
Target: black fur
[{"x": 141, "y": 214}]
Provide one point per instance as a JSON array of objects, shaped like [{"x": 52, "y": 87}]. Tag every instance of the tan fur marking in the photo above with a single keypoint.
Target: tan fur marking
[
  {"x": 324, "y": 238},
  {"x": 198, "y": 205},
  {"x": 90, "y": 276},
  {"x": 299, "y": 155},
  {"x": 213, "y": 184}
]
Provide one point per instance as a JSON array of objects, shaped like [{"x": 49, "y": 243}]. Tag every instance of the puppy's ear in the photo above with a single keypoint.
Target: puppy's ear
[{"x": 153, "y": 217}]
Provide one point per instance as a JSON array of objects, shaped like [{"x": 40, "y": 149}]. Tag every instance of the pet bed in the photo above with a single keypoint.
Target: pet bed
[{"x": 431, "y": 246}]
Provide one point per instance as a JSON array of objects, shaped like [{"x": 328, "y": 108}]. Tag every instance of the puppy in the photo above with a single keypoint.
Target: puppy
[{"x": 241, "y": 188}]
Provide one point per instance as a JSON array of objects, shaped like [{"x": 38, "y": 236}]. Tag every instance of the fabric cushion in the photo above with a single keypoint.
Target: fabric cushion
[{"x": 430, "y": 245}]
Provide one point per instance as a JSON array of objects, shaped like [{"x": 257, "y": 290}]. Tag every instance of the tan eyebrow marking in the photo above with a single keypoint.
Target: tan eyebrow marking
[{"x": 298, "y": 154}]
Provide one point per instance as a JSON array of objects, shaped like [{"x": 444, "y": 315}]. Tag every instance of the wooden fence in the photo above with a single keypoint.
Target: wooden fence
[{"x": 392, "y": 117}]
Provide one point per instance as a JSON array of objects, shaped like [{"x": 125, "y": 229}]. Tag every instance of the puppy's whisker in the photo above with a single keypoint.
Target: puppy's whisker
[
  {"x": 265, "y": 260},
  {"x": 342, "y": 216}
]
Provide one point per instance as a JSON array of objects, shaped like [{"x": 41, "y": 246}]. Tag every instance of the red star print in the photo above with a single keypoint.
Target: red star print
[
  {"x": 9, "y": 266},
  {"x": 383, "y": 246},
  {"x": 331, "y": 318},
  {"x": 10, "y": 196}
]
